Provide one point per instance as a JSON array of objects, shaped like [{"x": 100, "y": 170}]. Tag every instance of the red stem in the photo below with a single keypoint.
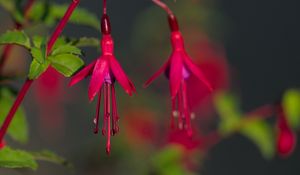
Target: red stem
[
  {"x": 14, "y": 108},
  {"x": 163, "y": 6},
  {"x": 28, "y": 82},
  {"x": 264, "y": 111},
  {"x": 61, "y": 25},
  {"x": 173, "y": 24},
  {"x": 28, "y": 7}
]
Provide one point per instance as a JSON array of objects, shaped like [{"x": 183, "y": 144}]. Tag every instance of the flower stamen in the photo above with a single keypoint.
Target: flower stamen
[
  {"x": 96, "y": 119},
  {"x": 115, "y": 116}
]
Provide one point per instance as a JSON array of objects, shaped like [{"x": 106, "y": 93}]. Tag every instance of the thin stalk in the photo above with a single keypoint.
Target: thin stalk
[
  {"x": 163, "y": 6},
  {"x": 104, "y": 7},
  {"x": 28, "y": 82}
]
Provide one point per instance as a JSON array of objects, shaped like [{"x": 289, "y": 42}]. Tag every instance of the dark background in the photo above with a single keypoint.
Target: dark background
[{"x": 262, "y": 46}]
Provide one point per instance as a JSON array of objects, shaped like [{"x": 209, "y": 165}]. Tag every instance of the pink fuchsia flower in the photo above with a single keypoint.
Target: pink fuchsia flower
[
  {"x": 178, "y": 68},
  {"x": 286, "y": 138},
  {"x": 104, "y": 72}
]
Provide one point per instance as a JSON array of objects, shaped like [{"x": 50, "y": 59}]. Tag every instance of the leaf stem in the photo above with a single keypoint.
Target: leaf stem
[{"x": 28, "y": 82}]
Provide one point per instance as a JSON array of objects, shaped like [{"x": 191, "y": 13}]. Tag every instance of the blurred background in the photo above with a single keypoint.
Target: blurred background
[{"x": 247, "y": 48}]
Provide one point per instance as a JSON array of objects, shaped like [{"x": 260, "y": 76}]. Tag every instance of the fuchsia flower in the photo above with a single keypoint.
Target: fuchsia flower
[
  {"x": 105, "y": 70},
  {"x": 178, "y": 68},
  {"x": 286, "y": 138}
]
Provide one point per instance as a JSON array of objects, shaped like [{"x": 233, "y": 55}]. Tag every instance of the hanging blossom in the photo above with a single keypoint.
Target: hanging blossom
[
  {"x": 178, "y": 68},
  {"x": 104, "y": 71},
  {"x": 286, "y": 138}
]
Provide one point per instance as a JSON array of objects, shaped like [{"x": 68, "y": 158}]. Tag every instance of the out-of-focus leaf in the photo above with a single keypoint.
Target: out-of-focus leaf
[
  {"x": 227, "y": 107},
  {"x": 51, "y": 12},
  {"x": 49, "y": 156},
  {"x": 8, "y": 5},
  {"x": 10, "y": 158},
  {"x": 86, "y": 42},
  {"x": 18, "y": 16},
  {"x": 18, "y": 129},
  {"x": 36, "y": 69},
  {"x": 66, "y": 64},
  {"x": 168, "y": 161},
  {"x": 15, "y": 37},
  {"x": 291, "y": 107},
  {"x": 262, "y": 134},
  {"x": 80, "y": 16}
]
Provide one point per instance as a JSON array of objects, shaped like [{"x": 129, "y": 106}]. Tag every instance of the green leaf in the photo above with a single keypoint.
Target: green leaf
[
  {"x": 169, "y": 161},
  {"x": 37, "y": 41},
  {"x": 86, "y": 42},
  {"x": 49, "y": 156},
  {"x": 15, "y": 37},
  {"x": 291, "y": 107},
  {"x": 36, "y": 69},
  {"x": 66, "y": 49},
  {"x": 66, "y": 64},
  {"x": 18, "y": 129},
  {"x": 38, "y": 55},
  {"x": 262, "y": 134},
  {"x": 39, "y": 51},
  {"x": 10, "y": 158},
  {"x": 227, "y": 107},
  {"x": 8, "y": 5}
]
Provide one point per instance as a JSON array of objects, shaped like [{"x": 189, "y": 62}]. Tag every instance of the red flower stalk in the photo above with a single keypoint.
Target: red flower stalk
[
  {"x": 286, "y": 138},
  {"x": 28, "y": 82},
  {"x": 178, "y": 68},
  {"x": 104, "y": 71}
]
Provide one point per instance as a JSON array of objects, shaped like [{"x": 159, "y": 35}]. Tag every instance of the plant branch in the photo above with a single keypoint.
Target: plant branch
[{"x": 28, "y": 82}]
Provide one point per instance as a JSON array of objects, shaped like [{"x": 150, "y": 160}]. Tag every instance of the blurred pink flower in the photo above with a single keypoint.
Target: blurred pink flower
[
  {"x": 178, "y": 69},
  {"x": 286, "y": 138},
  {"x": 49, "y": 91},
  {"x": 141, "y": 128}
]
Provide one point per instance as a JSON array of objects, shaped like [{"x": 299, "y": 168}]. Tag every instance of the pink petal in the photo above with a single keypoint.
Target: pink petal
[
  {"x": 100, "y": 70},
  {"x": 196, "y": 71},
  {"x": 156, "y": 74},
  {"x": 121, "y": 76},
  {"x": 175, "y": 73},
  {"x": 82, "y": 74}
]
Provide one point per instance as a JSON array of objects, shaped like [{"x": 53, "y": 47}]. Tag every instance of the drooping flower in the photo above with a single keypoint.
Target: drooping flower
[
  {"x": 286, "y": 138},
  {"x": 178, "y": 68},
  {"x": 104, "y": 71}
]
